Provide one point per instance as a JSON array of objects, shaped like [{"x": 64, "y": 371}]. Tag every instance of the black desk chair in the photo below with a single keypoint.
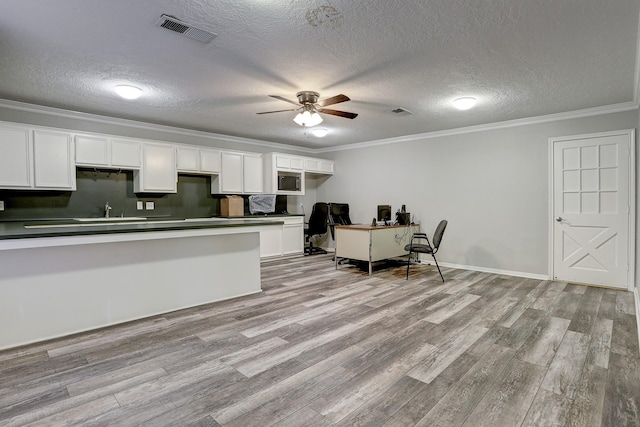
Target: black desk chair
[
  {"x": 317, "y": 226},
  {"x": 338, "y": 215},
  {"x": 425, "y": 247}
]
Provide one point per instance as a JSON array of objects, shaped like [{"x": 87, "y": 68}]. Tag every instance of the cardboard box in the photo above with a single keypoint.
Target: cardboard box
[{"x": 232, "y": 206}]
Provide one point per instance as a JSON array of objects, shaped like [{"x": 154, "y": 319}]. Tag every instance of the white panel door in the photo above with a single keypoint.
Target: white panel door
[
  {"x": 53, "y": 160},
  {"x": 591, "y": 208},
  {"x": 231, "y": 173},
  {"x": 253, "y": 174},
  {"x": 15, "y": 161}
]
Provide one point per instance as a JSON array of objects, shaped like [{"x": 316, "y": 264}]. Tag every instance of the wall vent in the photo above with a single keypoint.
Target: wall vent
[{"x": 187, "y": 30}]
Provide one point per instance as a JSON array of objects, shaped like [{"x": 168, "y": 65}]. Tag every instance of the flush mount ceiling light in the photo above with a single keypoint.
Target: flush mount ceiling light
[
  {"x": 128, "y": 92},
  {"x": 319, "y": 132},
  {"x": 464, "y": 103},
  {"x": 308, "y": 117}
]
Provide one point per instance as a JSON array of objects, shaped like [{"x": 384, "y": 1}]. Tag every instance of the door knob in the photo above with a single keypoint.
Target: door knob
[{"x": 559, "y": 219}]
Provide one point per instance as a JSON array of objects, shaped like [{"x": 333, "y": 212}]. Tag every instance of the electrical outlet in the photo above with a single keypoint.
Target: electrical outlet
[
  {"x": 140, "y": 205},
  {"x": 1, "y": 205},
  {"x": 150, "y": 206}
]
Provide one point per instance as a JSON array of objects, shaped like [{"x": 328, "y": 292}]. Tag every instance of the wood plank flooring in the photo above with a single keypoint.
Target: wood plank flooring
[{"x": 321, "y": 347}]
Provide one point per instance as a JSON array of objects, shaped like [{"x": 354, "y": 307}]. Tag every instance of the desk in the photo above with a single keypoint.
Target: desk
[{"x": 372, "y": 243}]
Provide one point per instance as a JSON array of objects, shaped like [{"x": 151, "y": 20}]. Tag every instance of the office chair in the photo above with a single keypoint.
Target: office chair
[
  {"x": 426, "y": 248},
  {"x": 317, "y": 226},
  {"x": 338, "y": 215}
]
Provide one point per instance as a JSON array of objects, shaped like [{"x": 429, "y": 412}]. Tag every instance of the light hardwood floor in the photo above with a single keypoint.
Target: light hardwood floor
[{"x": 321, "y": 347}]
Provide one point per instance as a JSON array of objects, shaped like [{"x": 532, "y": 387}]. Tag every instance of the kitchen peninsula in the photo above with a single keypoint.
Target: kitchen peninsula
[{"x": 62, "y": 278}]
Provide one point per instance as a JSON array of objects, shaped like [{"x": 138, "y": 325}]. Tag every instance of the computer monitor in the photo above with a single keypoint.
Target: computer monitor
[{"x": 384, "y": 213}]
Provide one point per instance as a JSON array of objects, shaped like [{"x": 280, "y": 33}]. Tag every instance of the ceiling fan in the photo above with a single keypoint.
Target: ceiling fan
[{"x": 310, "y": 107}]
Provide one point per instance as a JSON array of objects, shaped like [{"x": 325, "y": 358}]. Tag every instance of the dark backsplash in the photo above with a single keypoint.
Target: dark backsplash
[{"x": 96, "y": 187}]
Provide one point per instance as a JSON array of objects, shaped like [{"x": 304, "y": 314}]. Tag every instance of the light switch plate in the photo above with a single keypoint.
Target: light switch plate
[
  {"x": 150, "y": 206},
  {"x": 139, "y": 205}
]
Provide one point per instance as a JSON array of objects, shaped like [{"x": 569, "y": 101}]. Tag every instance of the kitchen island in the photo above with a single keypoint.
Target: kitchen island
[{"x": 62, "y": 278}]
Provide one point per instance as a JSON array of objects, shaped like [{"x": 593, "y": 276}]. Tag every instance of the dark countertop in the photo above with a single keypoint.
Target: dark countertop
[{"x": 70, "y": 227}]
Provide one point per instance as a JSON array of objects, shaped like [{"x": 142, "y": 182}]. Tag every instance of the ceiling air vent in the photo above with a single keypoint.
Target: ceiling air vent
[
  {"x": 401, "y": 112},
  {"x": 187, "y": 30}
]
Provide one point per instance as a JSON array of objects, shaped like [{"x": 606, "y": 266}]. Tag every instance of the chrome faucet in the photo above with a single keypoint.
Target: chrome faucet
[{"x": 107, "y": 208}]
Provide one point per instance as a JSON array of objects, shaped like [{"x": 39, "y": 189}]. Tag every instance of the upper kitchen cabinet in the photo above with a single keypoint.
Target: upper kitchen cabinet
[
  {"x": 38, "y": 159},
  {"x": 318, "y": 166},
  {"x": 240, "y": 173},
  {"x": 16, "y": 159},
  {"x": 158, "y": 173},
  {"x": 54, "y": 166},
  {"x": 284, "y": 174},
  {"x": 98, "y": 151},
  {"x": 198, "y": 160}
]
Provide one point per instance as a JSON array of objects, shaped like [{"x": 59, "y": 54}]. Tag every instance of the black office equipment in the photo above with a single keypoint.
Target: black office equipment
[
  {"x": 317, "y": 226},
  {"x": 403, "y": 218},
  {"x": 384, "y": 213},
  {"x": 426, "y": 248}
]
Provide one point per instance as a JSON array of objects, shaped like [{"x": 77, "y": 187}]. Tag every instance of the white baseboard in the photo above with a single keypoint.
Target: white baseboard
[{"x": 489, "y": 270}]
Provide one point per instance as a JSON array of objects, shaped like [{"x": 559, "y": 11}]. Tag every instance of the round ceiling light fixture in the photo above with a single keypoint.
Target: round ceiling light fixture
[
  {"x": 128, "y": 92},
  {"x": 465, "y": 103},
  {"x": 320, "y": 132}
]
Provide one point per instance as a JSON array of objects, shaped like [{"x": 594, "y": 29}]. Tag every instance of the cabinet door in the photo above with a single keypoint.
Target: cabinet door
[
  {"x": 125, "y": 154},
  {"x": 53, "y": 160},
  {"x": 325, "y": 166},
  {"x": 158, "y": 173},
  {"x": 209, "y": 161},
  {"x": 231, "y": 173},
  {"x": 253, "y": 174},
  {"x": 91, "y": 151},
  {"x": 283, "y": 162},
  {"x": 188, "y": 159},
  {"x": 297, "y": 163},
  {"x": 271, "y": 242},
  {"x": 292, "y": 239},
  {"x": 15, "y": 161}
]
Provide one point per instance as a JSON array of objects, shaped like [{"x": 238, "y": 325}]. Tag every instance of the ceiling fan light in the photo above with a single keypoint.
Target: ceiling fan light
[
  {"x": 464, "y": 103},
  {"x": 307, "y": 119},
  {"x": 128, "y": 92},
  {"x": 320, "y": 132}
]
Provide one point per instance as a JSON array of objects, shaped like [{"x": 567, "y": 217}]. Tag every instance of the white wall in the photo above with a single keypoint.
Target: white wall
[{"x": 491, "y": 185}]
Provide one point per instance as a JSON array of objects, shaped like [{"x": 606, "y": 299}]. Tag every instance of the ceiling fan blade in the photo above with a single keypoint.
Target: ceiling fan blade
[
  {"x": 344, "y": 114},
  {"x": 284, "y": 99},
  {"x": 277, "y": 111},
  {"x": 333, "y": 100}
]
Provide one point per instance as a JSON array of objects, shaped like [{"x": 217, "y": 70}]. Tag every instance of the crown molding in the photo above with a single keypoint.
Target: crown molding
[
  {"x": 70, "y": 114},
  {"x": 596, "y": 111}
]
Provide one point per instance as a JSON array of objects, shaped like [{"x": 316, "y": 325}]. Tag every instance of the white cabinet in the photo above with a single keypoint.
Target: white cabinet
[
  {"x": 319, "y": 166},
  {"x": 39, "y": 159},
  {"x": 15, "y": 161},
  {"x": 287, "y": 240},
  {"x": 270, "y": 242},
  {"x": 293, "y": 236},
  {"x": 281, "y": 171},
  {"x": 53, "y": 160},
  {"x": 240, "y": 173},
  {"x": 231, "y": 173},
  {"x": 286, "y": 162},
  {"x": 101, "y": 151},
  {"x": 252, "y": 173},
  {"x": 198, "y": 160},
  {"x": 158, "y": 173}
]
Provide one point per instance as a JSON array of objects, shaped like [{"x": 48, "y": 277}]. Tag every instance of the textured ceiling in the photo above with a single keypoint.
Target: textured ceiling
[{"x": 520, "y": 58}]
